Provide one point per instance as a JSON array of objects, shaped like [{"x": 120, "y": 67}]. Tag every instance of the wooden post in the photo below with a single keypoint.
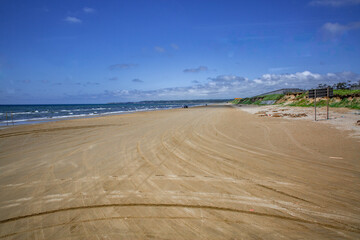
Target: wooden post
[
  {"x": 328, "y": 96},
  {"x": 12, "y": 119},
  {"x": 6, "y": 119},
  {"x": 315, "y": 103}
]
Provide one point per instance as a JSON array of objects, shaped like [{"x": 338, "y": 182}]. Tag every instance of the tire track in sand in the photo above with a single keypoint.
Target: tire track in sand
[
  {"x": 54, "y": 130},
  {"x": 239, "y": 169},
  {"x": 192, "y": 206}
]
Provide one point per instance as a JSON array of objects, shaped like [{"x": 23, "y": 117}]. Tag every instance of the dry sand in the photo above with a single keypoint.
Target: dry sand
[
  {"x": 200, "y": 173},
  {"x": 340, "y": 118}
]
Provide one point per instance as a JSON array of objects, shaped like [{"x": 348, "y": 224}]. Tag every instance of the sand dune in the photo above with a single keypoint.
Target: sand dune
[{"x": 211, "y": 172}]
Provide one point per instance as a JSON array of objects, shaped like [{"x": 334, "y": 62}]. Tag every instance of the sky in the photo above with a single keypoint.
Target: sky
[{"x": 63, "y": 52}]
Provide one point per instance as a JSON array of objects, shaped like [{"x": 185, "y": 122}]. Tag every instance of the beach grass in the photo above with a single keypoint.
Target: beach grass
[
  {"x": 342, "y": 98},
  {"x": 273, "y": 97},
  {"x": 346, "y": 92}
]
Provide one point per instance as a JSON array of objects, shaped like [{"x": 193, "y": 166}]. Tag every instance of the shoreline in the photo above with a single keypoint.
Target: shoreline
[
  {"x": 3, "y": 125},
  {"x": 27, "y": 114}
]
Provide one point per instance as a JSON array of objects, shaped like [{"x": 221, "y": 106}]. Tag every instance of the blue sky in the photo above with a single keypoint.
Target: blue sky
[{"x": 113, "y": 51}]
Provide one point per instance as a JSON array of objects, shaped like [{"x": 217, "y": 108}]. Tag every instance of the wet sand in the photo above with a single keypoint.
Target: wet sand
[{"x": 211, "y": 172}]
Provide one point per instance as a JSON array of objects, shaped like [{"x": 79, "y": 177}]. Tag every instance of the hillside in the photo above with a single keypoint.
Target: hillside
[{"x": 341, "y": 98}]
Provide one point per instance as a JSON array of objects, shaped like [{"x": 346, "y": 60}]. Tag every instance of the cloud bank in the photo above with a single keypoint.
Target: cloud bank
[
  {"x": 230, "y": 86},
  {"x": 219, "y": 87},
  {"x": 196, "y": 70},
  {"x": 336, "y": 29}
]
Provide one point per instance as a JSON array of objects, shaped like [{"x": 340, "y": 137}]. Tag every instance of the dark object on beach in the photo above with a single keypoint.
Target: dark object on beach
[
  {"x": 295, "y": 115},
  {"x": 277, "y": 115},
  {"x": 322, "y": 92},
  {"x": 185, "y": 106},
  {"x": 358, "y": 122}
]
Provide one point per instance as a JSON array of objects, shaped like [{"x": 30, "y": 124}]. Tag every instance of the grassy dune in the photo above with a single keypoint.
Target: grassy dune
[{"x": 342, "y": 98}]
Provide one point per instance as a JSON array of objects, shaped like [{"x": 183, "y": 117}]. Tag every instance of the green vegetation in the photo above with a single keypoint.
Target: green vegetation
[
  {"x": 304, "y": 94},
  {"x": 258, "y": 102},
  {"x": 247, "y": 101},
  {"x": 354, "y": 103},
  {"x": 303, "y": 102},
  {"x": 254, "y": 100},
  {"x": 236, "y": 101},
  {"x": 342, "y": 98},
  {"x": 273, "y": 97},
  {"x": 345, "y": 102},
  {"x": 346, "y": 92}
]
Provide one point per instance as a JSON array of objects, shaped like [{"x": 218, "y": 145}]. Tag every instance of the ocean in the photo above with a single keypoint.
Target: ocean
[{"x": 27, "y": 114}]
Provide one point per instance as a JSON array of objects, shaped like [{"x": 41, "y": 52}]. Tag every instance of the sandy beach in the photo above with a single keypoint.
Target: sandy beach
[{"x": 215, "y": 172}]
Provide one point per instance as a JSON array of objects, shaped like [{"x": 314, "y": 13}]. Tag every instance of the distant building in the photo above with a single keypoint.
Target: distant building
[{"x": 281, "y": 91}]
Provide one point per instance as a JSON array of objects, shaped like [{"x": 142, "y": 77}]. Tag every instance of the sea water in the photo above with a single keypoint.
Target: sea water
[{"x": 25, "y": 114}]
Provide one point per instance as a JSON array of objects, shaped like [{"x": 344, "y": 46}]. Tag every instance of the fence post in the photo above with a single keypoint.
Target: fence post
[
  {"x": 315, "y": 103},
  {"x": 328, "y": 100}
]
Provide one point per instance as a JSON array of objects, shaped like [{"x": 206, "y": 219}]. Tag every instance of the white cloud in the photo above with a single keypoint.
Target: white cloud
[
  {"x": 334, "y": 3},
  {"x": 229, "y": 86},
  {"x": 159, "y": 49},
  {"x": 174, "y": 46},
  {"x": 304, "y": 79},
  {"x": 72, "y": 20},
  {"x": 88, "y": 10},
  {"x": 195, "y": 70},
  {"x": 336, "y": 29}
]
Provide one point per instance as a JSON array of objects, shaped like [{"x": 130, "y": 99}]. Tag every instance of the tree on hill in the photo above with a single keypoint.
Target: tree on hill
[
  {"x": 323, "y": 85},
  {"x": 339, "y": 85}
]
